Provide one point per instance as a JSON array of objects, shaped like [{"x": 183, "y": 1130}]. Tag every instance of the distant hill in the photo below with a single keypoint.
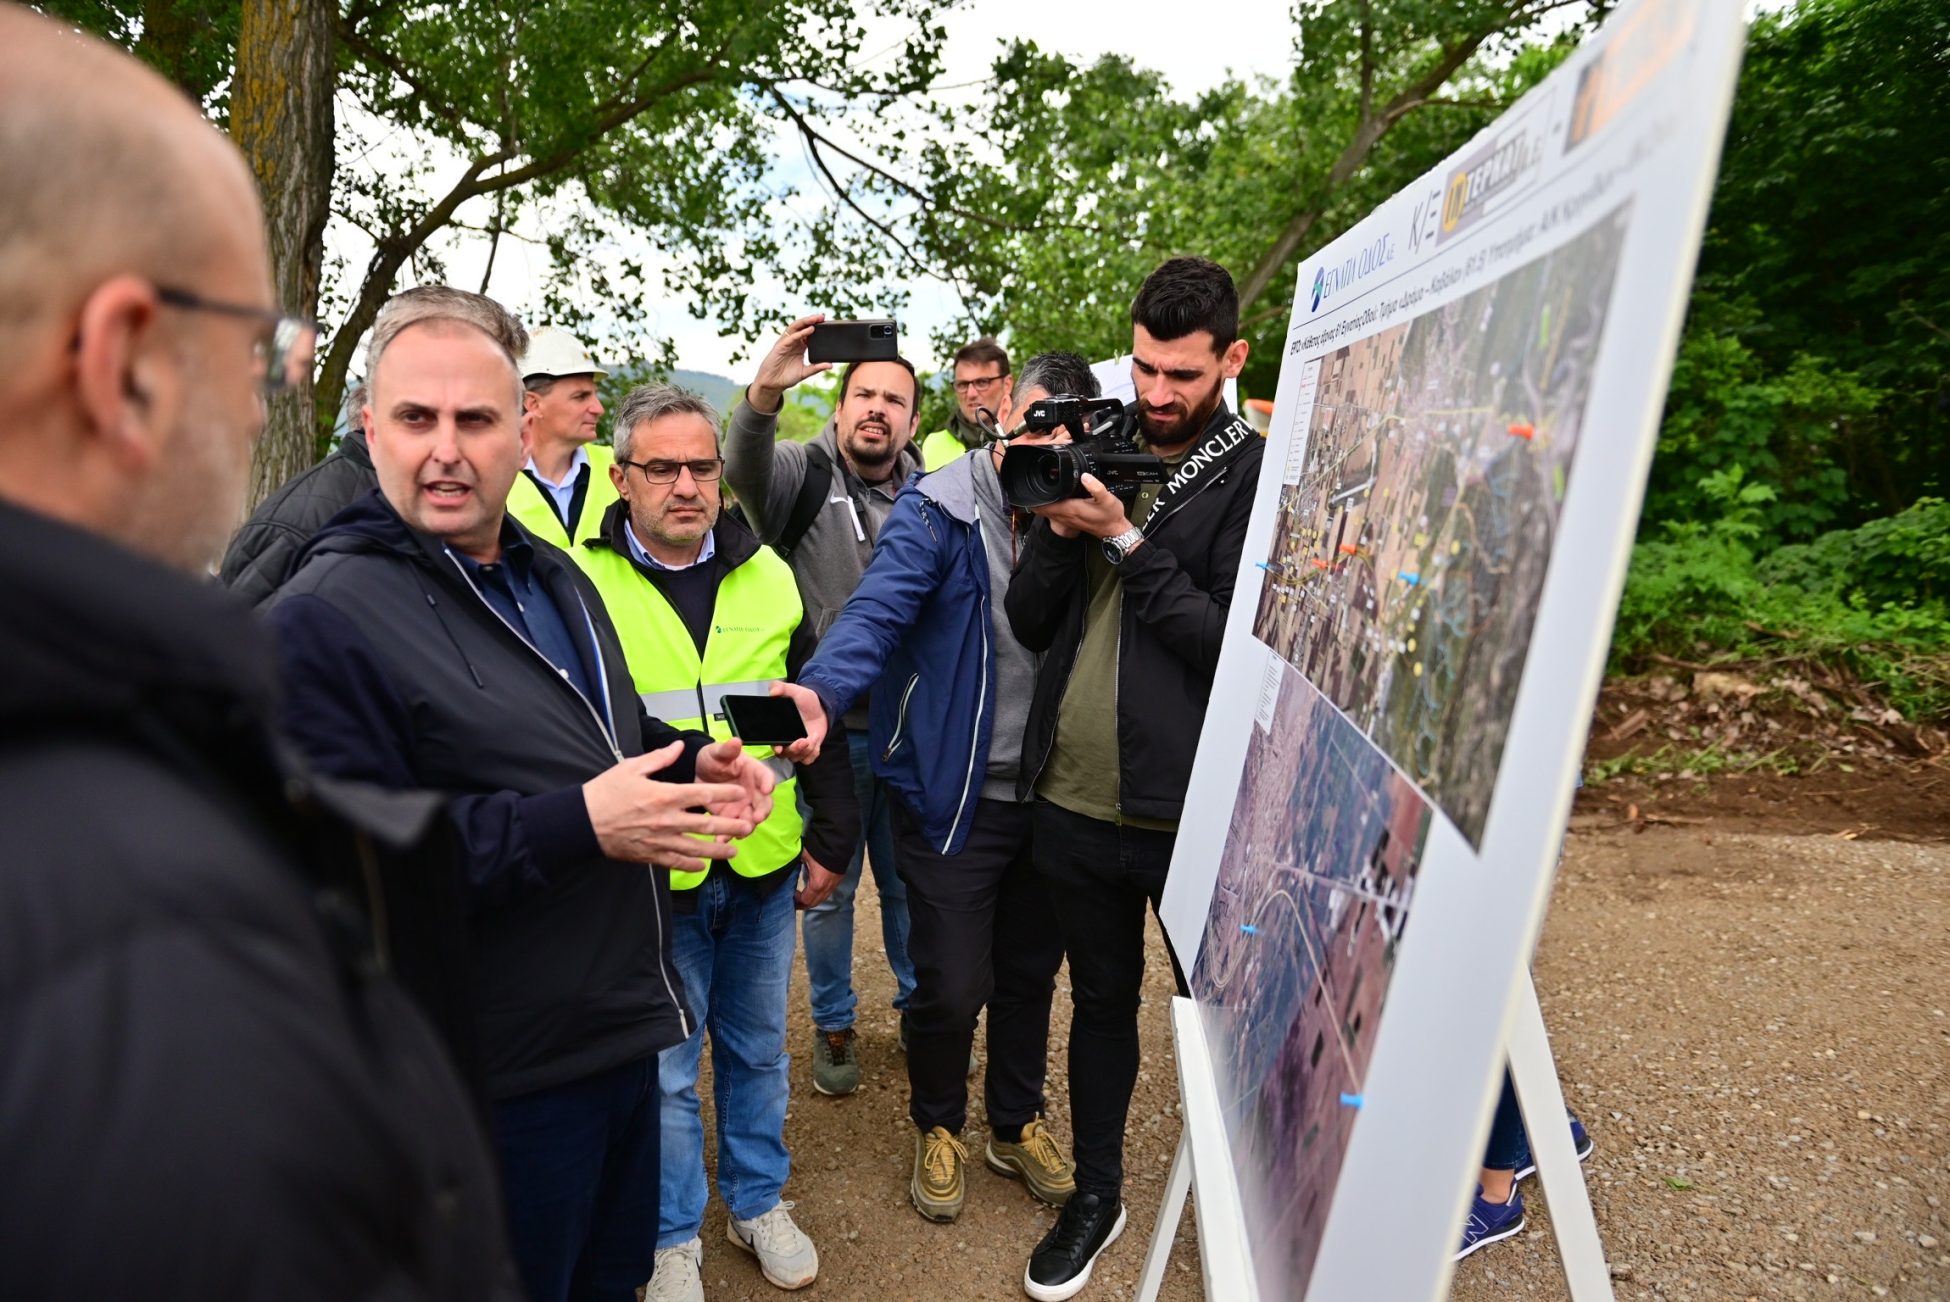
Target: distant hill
[{"x": 717, "y": 390}]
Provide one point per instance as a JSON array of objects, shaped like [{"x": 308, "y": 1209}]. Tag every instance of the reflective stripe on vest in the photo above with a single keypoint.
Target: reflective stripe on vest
[
  {"x": 536, "y": 510},
  {"x": 752, "y": 621}
]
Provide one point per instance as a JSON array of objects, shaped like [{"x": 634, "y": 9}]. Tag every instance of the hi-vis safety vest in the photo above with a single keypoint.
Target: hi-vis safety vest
[
  {"x": 940, "y": 448},
  {"x": 757, "y": 609},
  {"x": 536, "y": 509}
]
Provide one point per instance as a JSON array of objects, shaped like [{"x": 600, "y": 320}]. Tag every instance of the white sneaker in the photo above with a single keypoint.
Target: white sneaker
[
  {"x": 677, "y": 1278},
  {"x": 784, "y": 1253}
]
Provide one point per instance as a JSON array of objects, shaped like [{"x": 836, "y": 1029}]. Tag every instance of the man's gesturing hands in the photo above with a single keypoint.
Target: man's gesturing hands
[{"x": 641, "y": 820}]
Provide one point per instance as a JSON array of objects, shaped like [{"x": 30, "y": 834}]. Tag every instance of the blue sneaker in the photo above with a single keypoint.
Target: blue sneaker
[
  {"x": 1490, "y": 1221},
  {"x": 1581, "y": 1144}
]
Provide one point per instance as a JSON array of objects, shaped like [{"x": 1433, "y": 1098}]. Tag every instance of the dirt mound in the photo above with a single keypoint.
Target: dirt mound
[{"x": 1784, "y": 746}]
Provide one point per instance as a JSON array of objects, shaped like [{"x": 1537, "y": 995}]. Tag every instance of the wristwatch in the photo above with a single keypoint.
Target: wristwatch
[{"x": 1116, "y": 549}]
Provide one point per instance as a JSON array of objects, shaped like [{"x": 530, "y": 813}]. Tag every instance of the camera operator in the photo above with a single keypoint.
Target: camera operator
[{"x": 1129, "y": 602}]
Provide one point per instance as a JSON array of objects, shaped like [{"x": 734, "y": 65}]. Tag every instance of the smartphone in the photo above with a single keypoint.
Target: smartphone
[
  {"x": 764, "y": 720},
  {"x": 854, "y": 341}
]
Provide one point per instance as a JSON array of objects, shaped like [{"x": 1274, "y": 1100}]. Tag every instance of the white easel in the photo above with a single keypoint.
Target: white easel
[{"x": 1204, "y": 1161}]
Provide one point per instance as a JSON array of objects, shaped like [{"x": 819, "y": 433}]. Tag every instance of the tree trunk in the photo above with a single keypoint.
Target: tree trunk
[{"x": 281, "y": 117}]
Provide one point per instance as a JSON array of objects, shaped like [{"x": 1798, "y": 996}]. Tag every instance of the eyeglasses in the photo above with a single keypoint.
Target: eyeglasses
[
  {"x": 284, "y": 352},
  {"x": 981, "y": 384},
  {"x": 666, "y": 472}
]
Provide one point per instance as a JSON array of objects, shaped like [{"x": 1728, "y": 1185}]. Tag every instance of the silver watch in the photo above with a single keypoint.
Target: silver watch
[{"x": 1116, "y": 549}]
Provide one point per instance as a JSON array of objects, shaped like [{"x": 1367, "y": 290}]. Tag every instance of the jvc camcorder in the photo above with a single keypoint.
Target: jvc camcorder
[{"x": 1103, "y": 446}]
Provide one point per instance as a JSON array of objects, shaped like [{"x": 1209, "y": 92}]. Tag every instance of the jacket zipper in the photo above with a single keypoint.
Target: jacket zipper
[
  {"x": 981, "y": 699},
  {"x": 663, "y": 947},
  {"x": 609, "y": 736},
  {"x": 900, "y": 720}
]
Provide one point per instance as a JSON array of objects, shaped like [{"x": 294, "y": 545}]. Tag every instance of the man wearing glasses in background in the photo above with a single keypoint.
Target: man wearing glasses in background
[
  {"x": 705, "y": 611},
  {"x": 981, "y": 380},
  {"x": 210, "y": 1086}
]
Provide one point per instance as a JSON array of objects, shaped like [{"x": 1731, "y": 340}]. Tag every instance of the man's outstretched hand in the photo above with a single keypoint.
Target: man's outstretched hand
[
  {"x": 812, "y": 714},
  {"x": 784, "y": 366}
]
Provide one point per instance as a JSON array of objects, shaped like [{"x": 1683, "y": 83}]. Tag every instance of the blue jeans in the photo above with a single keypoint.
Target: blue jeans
[
  {"x": 579, "y": 1170},
  {"x": 829, "y": 926},
  {"x": 735, "y": 955}
]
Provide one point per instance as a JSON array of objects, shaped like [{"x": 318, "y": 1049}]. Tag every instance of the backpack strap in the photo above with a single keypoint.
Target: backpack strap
[{"x": 806, "y": 506}]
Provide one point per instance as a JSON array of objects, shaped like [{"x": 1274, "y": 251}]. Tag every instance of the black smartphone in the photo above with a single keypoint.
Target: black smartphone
[
  {"x": 764, "y": 720},
  {"x": 854, "y": 341}
]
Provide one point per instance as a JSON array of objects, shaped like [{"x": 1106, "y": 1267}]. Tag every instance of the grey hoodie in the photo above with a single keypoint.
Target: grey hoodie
[{"x": 828, "y": 562}]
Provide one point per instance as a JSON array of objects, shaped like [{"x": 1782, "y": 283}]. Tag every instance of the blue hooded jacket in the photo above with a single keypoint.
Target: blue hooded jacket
[{"x": 918, "y": 632}]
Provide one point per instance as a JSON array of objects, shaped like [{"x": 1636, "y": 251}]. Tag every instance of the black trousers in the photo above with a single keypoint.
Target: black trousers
[
  {"x": 1100, "y": 877},
  {"x": 980, "y": 932}
]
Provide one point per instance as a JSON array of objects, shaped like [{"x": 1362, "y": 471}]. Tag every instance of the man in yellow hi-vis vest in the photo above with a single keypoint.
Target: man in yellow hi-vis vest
[
  {"x": 704, "y": 611},
  {"x": 566, "y": 486},
  {"x": 981, "y": 383}
]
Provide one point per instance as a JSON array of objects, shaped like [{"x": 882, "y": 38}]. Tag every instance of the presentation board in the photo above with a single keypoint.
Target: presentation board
[{"x": 1468, "y": 402}]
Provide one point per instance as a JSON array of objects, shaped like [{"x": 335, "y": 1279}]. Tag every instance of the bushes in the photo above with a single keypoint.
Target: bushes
[{"x": 1871, "y": 600}]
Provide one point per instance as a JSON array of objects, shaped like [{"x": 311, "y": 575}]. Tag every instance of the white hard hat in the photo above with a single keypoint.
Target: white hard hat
[{"x": 557, "y": 352}]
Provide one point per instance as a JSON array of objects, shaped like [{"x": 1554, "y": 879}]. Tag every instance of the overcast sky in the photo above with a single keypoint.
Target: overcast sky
[
  {"x": 1194, "y": 49},
  {"x": 1230, "y": 35}
]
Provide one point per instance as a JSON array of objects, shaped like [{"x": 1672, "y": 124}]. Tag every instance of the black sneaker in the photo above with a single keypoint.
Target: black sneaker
[{"x": 1060, "y": 1266}]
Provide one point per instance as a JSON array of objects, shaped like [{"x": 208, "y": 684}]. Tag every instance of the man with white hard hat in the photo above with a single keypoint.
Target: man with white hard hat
[{"x": 566, "y": 480}]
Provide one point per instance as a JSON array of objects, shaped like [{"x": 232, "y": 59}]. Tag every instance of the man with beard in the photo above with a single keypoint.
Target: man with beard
[
  {"x": 1128, "y": 600},
  {"x": 947, "y": 736},
  {"x": 821, "y": 505}
]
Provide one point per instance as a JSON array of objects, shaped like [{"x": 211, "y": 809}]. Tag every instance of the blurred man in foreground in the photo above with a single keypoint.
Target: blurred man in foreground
[{"x": 210, "y": 1088}]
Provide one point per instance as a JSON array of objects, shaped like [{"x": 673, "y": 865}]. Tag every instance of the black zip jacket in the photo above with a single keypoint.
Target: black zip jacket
[
  {"x": 1177, "y": 591},
  {"x": 210, "y": 1087},
  {"x": 399, "y": 673},
  {"x": 265, "y": 550},
  {"x": 832, "y": 831}
]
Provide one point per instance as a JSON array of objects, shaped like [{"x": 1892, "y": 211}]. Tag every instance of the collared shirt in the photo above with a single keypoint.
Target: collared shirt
[
  {"x": 509, "y": 585},
  {"x": 564, "y": 493},
  {"x": 643, "y": 557}
]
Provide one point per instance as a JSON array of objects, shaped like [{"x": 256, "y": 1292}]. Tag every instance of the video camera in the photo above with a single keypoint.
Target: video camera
[{"x": 1104, "y": 445}]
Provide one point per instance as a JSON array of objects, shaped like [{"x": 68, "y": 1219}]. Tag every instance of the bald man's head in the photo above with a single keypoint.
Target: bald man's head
[{"x": 124, "y": 415}]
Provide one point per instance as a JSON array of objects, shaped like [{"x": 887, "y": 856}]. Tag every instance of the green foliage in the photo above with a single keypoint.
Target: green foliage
[
  {"x": 640, "y": 136},
  {"x": 1871, "y": 599},
  {"x": 1065, "y": 184},
  {"x": 808, "y": 407},
  {"x": 1817, "y": 350}
]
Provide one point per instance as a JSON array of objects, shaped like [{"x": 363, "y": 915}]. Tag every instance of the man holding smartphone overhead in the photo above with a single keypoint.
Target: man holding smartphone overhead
[
  {"x": 709, "y": 619},
  {"x": 821, "y": 505}
]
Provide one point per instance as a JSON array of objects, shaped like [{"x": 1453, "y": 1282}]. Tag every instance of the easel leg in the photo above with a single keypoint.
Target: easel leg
[
  {"x": 1535, "y": 1074},
  {"x": 1170, "y": 1213}
]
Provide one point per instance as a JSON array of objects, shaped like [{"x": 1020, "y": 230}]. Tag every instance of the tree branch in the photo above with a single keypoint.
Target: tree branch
[
  {"x": 1372, "y": 127},
  {"x": 355, "y": 41},
  {"x": 813, "y": 135},
  {"x": 842, "y": 195}
]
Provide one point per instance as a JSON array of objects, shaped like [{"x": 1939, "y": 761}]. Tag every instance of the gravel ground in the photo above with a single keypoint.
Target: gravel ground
[{"x": 1753, "y": 1026}]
